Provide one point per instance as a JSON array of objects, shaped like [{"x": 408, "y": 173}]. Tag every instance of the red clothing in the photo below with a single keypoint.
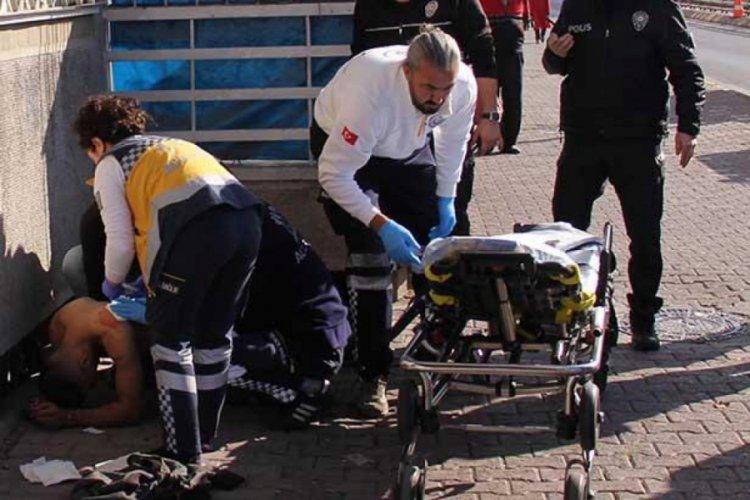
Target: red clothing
[
  {"x": 540, "y": 13},
  {"x": 505, "y": 8}
]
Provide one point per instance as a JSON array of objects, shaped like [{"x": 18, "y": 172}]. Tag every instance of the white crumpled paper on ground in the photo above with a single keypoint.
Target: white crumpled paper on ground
[{"x": 49, "y": 472}]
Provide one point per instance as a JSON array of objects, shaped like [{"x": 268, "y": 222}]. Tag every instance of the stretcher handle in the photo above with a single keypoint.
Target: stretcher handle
[{"x": 605, "y": 267}]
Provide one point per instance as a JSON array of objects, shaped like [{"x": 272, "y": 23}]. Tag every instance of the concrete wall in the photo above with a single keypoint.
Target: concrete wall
[
  {"x": 46, "y": 71},
  {"x": 294, "y": 191}
]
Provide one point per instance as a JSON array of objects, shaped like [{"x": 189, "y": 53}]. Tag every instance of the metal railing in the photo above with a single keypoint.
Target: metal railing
[
  {"x": 24, "y": 6},
  {"x": 24, "y": 11},
  {"x": 195, "y": 14}
]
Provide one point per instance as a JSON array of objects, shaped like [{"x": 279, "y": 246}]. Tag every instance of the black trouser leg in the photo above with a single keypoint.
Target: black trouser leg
[
  {"x": 370, "y": 290},
  {"x": 581, "y": 172},
  {"x": 463, "y": 197},
  {"x": 511, "y": 90},
  {"x": 370, "y": 301},
  {"x": 277, "y": 365},
  {"x": 638, "y": 178},
  {"x": 178, "y": 398},
  {"x": 261, "y": 363},
  {"x": 508, "y": 39},
  {"x": 93, "y": 242},
  {"x": 197, "y": 296}
]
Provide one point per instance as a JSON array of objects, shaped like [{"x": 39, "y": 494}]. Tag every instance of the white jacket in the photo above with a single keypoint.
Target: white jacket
[{"x": 366, "y": 110}]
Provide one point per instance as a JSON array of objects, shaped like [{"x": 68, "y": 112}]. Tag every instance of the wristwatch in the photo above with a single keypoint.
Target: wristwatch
[{"x": 491, "y": 115}]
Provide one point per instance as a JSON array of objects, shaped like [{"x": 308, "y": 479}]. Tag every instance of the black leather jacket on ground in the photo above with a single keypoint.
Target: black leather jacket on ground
[
  {"x": 616, "y": 73},
  {"x": 378, "y": 23}
]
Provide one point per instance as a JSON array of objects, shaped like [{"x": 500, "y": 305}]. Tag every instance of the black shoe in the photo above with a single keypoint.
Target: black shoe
[
  {"x": 510, "y": 150},
  {"x": 299, "y": 416},
  {"x": 645, "y": 339}
]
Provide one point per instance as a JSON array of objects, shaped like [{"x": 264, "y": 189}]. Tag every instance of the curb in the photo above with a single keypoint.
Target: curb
[{"x": 694, "y": 12}]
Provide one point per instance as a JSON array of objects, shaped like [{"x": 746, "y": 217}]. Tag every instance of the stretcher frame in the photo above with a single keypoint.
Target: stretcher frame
[{"x": 579, "y": 369}]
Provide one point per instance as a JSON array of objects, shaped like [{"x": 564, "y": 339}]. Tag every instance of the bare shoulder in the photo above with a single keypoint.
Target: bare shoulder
[
  {"x": 73, "y": 316},
  {"x": 117, "y": 337},
  {"x": 76, "y": 306}
]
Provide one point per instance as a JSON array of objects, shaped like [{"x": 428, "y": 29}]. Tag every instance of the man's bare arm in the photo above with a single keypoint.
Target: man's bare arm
[{"x": 486, "y": 132}]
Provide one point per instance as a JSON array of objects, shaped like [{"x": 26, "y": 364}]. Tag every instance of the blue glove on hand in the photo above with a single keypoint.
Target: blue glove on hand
[
  {"x": 400, "y": 244},
  {"x": 447, "y": 214},
  {"x": 111, "y": 290},
  {"x": 129, "y": 308},
  {"x": 135, "y": 288}
]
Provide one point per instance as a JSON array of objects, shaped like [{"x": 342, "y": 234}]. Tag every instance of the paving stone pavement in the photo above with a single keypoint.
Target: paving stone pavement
[{"x": 677, "y": 421}]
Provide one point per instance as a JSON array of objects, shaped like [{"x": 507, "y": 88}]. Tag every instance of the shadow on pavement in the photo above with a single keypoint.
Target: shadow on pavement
[
  {"x": 722, "y": 476},
  {"x": 722, "y": 106},
  {"x": 732, "y": 165},
  {"x": 725, "y": 106}
]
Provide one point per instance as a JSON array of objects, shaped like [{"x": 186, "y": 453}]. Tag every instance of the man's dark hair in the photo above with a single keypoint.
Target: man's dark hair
[
  {"x": 111, "y": 118},
  {"x": 436, "y": 47},
  {"x": 57, "y": 389}
]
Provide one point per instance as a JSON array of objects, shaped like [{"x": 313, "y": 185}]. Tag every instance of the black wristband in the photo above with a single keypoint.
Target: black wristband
[{"x": 491, "y": 115}]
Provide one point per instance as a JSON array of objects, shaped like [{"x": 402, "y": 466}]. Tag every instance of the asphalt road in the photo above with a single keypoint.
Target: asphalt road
[{"x": 723, "y": 51}]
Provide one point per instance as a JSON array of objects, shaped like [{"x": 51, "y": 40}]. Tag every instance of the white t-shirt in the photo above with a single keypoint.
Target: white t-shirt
[
  {"x": 109, "y": 191},
  {"x": 366, "y": 110}
]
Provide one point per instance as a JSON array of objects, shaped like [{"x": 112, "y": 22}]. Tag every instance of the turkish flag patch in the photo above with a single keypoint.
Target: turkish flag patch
[{"x": 349, "y": 136}]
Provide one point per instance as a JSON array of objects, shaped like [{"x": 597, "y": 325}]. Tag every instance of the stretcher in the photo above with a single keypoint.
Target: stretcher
[{"x": 543, "y": 292}]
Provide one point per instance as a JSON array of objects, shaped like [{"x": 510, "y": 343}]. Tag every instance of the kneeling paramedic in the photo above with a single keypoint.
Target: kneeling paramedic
[{"x": 289, "y": 341}]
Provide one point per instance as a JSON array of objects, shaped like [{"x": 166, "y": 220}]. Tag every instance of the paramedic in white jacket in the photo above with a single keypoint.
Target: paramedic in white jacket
[{"x": 390, "y": 132}]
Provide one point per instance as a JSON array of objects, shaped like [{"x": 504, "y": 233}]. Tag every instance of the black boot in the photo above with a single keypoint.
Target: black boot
[
  {"x": 642, "y": 323},
  {"x": 644, "y": 338}
]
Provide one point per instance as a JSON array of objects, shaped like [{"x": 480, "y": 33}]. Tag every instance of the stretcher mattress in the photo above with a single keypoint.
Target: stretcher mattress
[{"x": 557, "y": 242}]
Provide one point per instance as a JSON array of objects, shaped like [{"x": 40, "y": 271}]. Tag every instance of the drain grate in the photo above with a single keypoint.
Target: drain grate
[{"x": 696, "y": 325}]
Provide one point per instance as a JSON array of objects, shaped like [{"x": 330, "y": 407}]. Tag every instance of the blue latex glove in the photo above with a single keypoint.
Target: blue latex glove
[
  {"x": 129, "y": 308},
  {"x": 447, "y": 214},
  {"x": 400, "y": 244},
  {"x": 111, "y": 290},
  {"x": 135, "y": 288}
]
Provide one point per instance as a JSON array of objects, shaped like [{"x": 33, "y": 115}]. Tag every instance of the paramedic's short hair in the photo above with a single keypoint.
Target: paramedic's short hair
[{"x": 436, "y": 47}]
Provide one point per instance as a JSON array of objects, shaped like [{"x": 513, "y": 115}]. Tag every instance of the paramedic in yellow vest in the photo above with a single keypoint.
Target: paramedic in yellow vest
[{"x": 195, "y": 231}]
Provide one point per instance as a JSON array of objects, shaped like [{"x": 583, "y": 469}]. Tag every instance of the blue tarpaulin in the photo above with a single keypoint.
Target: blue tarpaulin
[{"x": 221, "y": 75}]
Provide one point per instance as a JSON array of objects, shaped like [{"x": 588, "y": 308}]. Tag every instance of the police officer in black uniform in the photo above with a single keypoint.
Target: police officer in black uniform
[
  {"x": 378, "y": 23},
  {"x": 617, "y": 57}
]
